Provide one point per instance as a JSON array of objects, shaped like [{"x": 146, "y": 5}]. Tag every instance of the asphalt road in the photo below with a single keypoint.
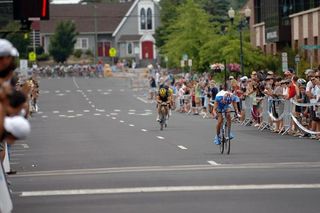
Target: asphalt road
[{"x": 95, "y": 147}]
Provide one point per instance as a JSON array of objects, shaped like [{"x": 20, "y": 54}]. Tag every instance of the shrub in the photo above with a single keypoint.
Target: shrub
[
  {"x": 89, "y": 52},
  {"x": 43, "y": 57},
  {"x": 77, "y": 53}
]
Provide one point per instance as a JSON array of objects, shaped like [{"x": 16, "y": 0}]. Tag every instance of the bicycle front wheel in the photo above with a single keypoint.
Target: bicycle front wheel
[{"x": 227, "y": 141}]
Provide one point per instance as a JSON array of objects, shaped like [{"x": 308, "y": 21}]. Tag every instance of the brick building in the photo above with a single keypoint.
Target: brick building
[{"x": 279, "y": 23}]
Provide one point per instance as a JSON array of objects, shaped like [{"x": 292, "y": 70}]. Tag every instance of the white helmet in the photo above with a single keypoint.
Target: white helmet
[
  {"x": 7, "y": 49},
  {"x": 301, "y": 81}
]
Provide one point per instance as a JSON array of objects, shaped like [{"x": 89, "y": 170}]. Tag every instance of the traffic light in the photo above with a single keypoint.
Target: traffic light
[{"x": 26, "y": 9}]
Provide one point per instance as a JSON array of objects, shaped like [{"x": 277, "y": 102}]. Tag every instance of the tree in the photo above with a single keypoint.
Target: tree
[
  {"x": 63, "y": 41},
  {"x": 17, "y": 38},
  {"x": 227, "y": 47},
  {"x": 189, "y": 32},
  {"x": 167, "y": 16}
]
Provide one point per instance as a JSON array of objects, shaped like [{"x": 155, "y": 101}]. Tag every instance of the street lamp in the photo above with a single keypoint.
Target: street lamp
[{"x": 244, "y": 21}]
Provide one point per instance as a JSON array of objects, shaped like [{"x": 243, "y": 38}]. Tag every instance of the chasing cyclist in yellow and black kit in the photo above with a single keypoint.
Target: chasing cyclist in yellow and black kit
[{"x": 164, "y": 95}]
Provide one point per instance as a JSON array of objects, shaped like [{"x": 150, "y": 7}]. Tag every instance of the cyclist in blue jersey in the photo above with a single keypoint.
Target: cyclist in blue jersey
[{"x": 222, "y": 104}]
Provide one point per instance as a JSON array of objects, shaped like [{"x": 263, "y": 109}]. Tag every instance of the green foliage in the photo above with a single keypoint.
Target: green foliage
[
  {"x": 43, "y": 57},
  {"x": 17, "y": 38},
  {"x": 188, "y": 34},
  {"x": 77, "y": 53},
  {"x": 63, "y": 41},
  {"x": 89, "y": 52}
]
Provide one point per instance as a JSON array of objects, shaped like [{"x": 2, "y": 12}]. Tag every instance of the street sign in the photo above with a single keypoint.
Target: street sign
[
  {"x": 284, "y": 61},
  {"x": 113, "y": 52},
  {"x": 24, "y": 66},
  {"x": 185, "y": 57},
  {"x": 182, "y": 63},
  {"x": 311, "y": 47},
  {"x": 32, "y": 56},
  {"x": 190, "y": 62},
  {"x": 297, "y": 59}
]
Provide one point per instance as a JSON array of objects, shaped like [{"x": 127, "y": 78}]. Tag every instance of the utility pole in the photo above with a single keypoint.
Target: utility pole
[{"x": 95, "y": 35}]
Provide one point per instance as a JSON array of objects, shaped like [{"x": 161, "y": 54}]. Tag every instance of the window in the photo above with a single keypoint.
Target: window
[
  {"x": 143, "y": 19},
  {"x": 296, "y": 44},
  {"x": 306, "y": 51},
  {"x": 149, "y": 19},
  {"x": 82, "y": 43},
  {"x": 129, "y": 48}
]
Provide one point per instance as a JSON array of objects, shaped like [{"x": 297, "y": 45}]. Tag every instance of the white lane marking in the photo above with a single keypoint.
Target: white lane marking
[
  {"x": 79, "y": 90},
  {"x": 68, "y": 91},
  {"x": 71, "y": 116},
  {"x": 86, "y": 110},
  {"x": 114, "y": 118},
  {"x": 121, "y": 121},
  {"x": 75, "y": 83},
  {"x": 132, "y": 110},
  {"x": 141, "y": 99},
  {"x": 55, "y": 112},
  {"x": 117, "y": 110},
  {"x": 79, "y": 115},
  {"x": 96, "y": 114},
  {"x": 61, "y": 94},
  {"x": 100, "y": 110},
  {"x": 14, "y": 163},
  {"x": 87, "y": 99},
  {"x": 109, "y": 90},
  {"x": 113, "y": 113},
  {"x": 40, "y": 113},
  {"x": 89, "y": 90},
  {"x": 24, "y": 145},
  {"x": 144, "y": 130},
  {"x": 16, "y": 154},
  {"x": 84, "y": 96},
  {"x": 121, "y": 90},
  {"x": 62, "y": 115},
  {"x": 106, "y": 93},
  {"x": 44, "y": 116},
  {"x": 213, "y": 163},
  {"x": 131, "y": 113},
  {"x": 99, "y": 90},
  {"x": 169, "y": 189},
  {"x": 132, "y": 125},
  {"x": 148, "y": 110},
  {"x": 57, "y": 91},
  {"x": 182, "y": 147},
  {"x": 90, "y": 102},
  {"x": 160, "y": 137},
  {"x": 107, "y": 115},
  {"x": 70, "y": 110},
  {"x": 93, "y": 106},
  {"x": 145, "y": 114}
]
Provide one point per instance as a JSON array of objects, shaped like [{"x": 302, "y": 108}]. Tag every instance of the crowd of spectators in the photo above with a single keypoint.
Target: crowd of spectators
[
  {"x": 195, "y": 94},
  {"x": 18, "y": 99}
]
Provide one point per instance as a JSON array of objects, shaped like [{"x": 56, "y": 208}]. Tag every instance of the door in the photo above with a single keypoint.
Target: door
[
  {"x": 103, "y": 48},
  {"x": 147, "y": 50}
]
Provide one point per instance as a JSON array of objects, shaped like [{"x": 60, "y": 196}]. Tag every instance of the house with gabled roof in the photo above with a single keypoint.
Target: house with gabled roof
[{"x": 129, "y": 27}]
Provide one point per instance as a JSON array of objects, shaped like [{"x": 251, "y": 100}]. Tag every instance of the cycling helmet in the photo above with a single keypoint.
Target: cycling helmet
[
  {"x": 170, "y": 91},
  {"x": 301, "y": 81},
  {"x": 162, "y": 92}
]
